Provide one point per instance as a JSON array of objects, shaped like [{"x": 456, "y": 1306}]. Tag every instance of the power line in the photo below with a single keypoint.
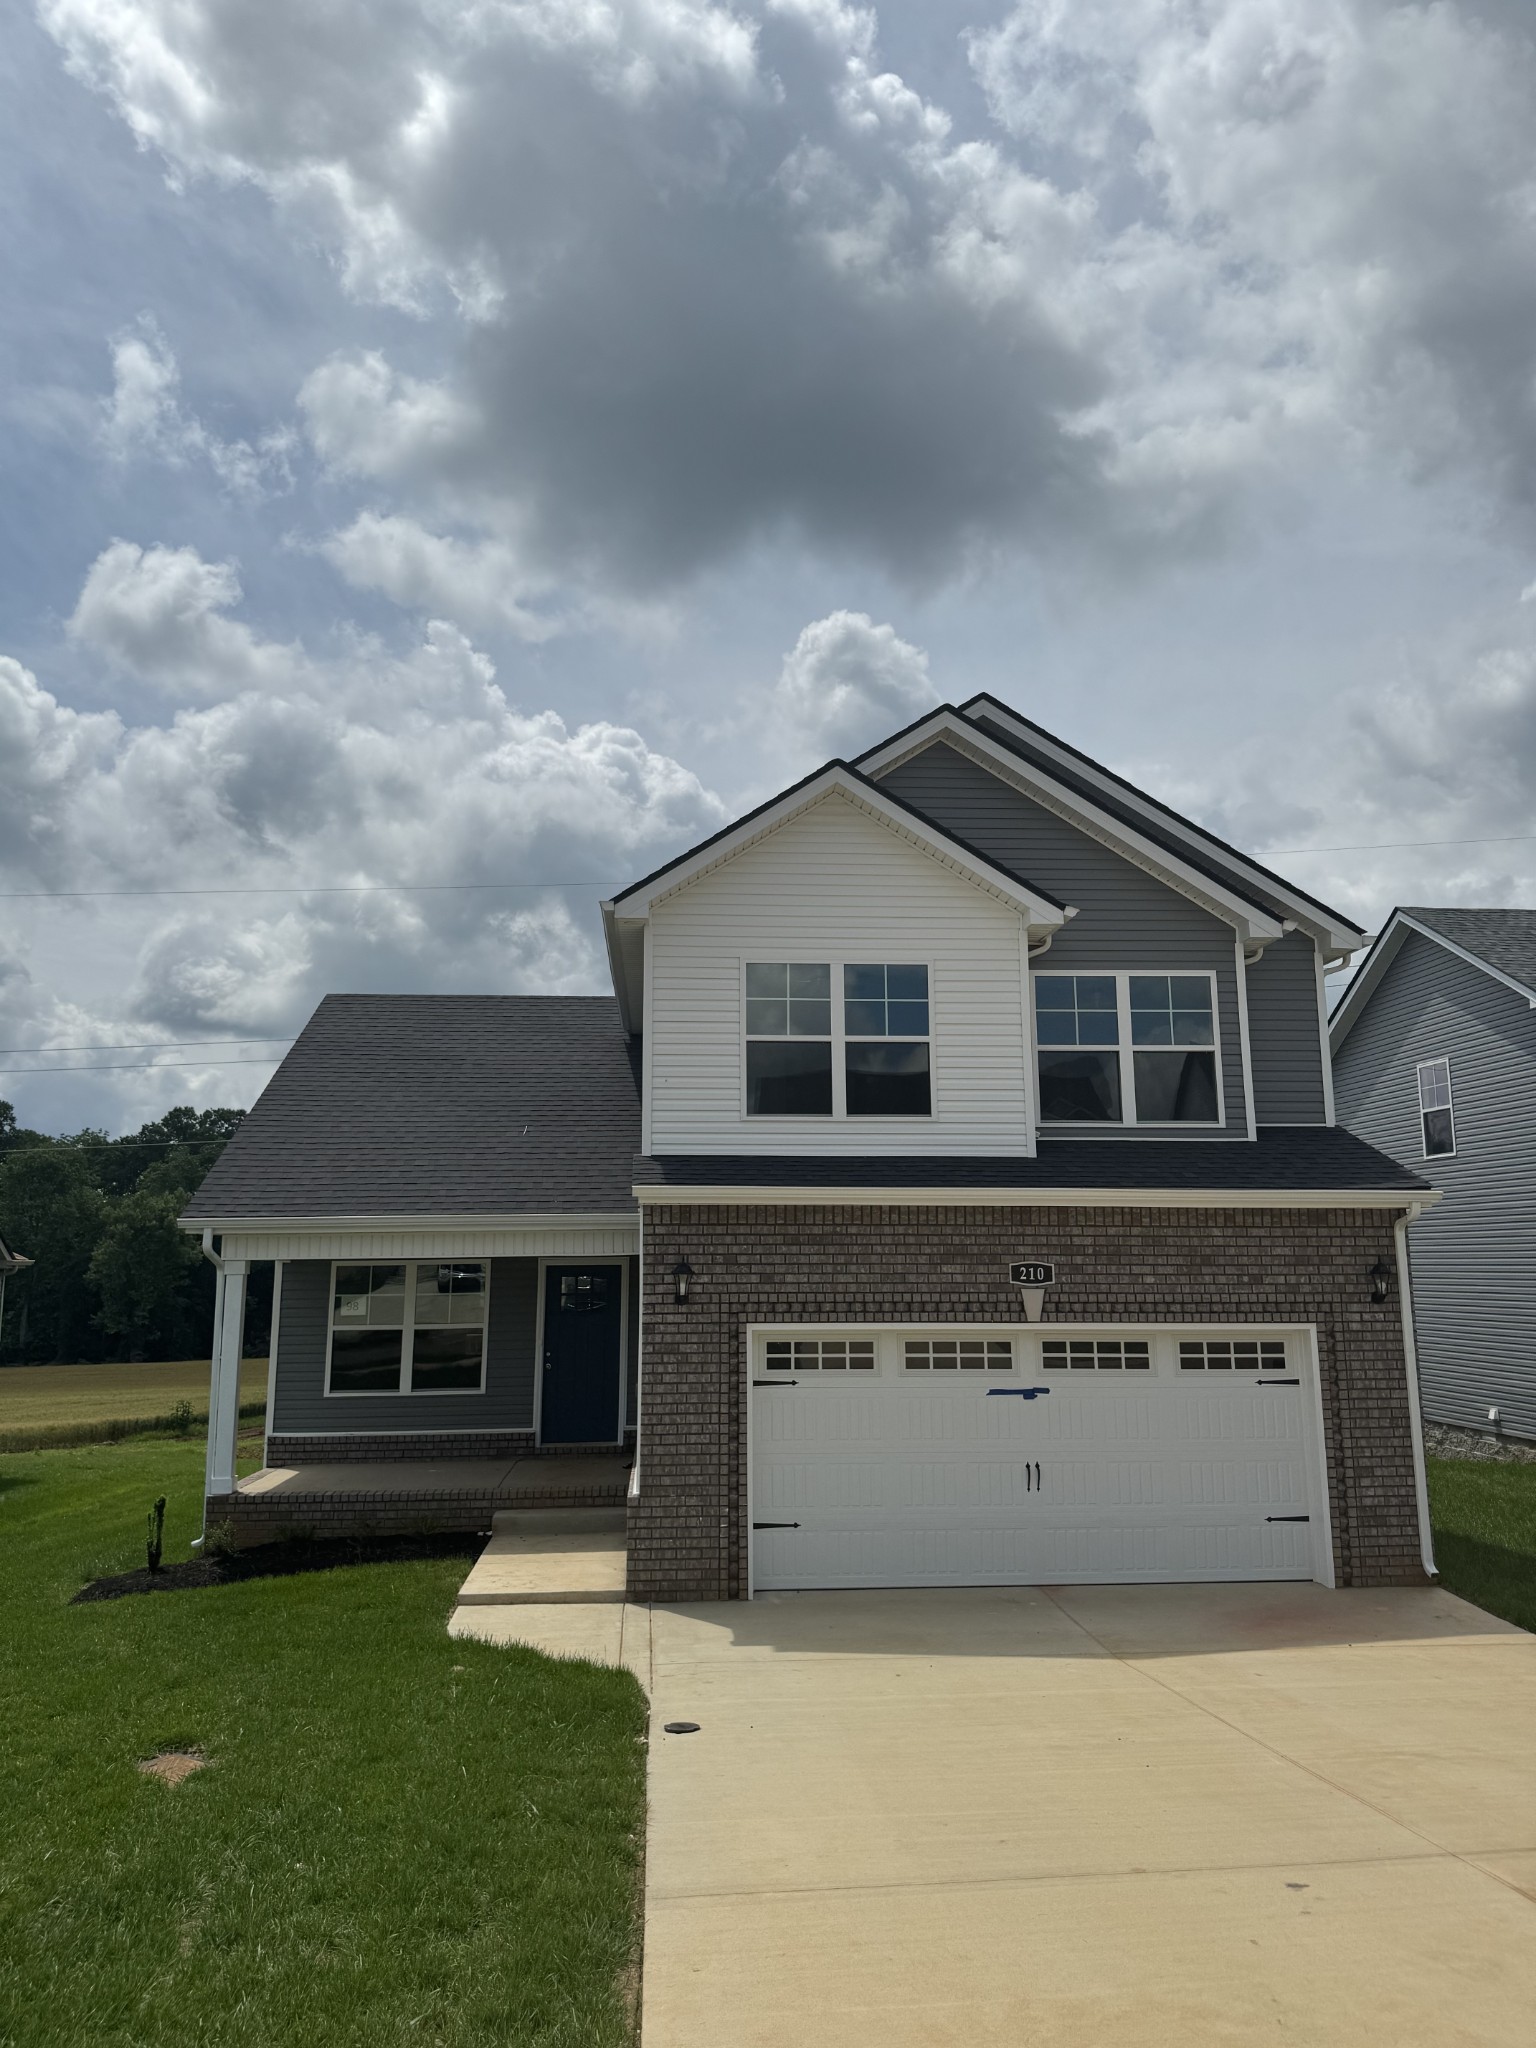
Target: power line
[
  {"x": 1402, "y": 845},
  {"x": 310, "y": 889},
  {"x": 145, "y": 1066},
  {"x": 149, "y": 1045}
]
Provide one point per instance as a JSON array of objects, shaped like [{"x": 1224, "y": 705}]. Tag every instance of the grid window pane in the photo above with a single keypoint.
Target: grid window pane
[
  {"x": 820, "y": 1354},
  {"x": 371, "y": 1295},
  {"x": 885, "y": 1001},
  {"x": 450, "y": 1295},
  {"x": 888, "y": 1080},
  {"x": 1096, "y": 1354},
  {"x": 365, "y": 1361},
  {"x": 1079, "y": 1087},
  {"x": 789, "y": 1077},
  {"x": 1236, "y": 1354},
  {"x": 1175, "y": 1087},
  {"x": 1171, "y": 1009},
  {"x": 788, "y": 999},
  {"x": 959, "y": 1354},
  {"x": 1076, "y": 1009},
  {"x": 443, "y": 1360}
]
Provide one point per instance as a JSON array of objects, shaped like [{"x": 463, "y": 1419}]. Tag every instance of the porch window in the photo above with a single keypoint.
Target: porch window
[
  {"x": 1127, "y": 1048},
  {"x": 416, "y": 1328}
]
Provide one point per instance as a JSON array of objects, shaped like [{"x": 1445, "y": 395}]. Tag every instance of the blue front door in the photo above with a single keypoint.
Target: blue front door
[{"x": 583, "y": 1311}]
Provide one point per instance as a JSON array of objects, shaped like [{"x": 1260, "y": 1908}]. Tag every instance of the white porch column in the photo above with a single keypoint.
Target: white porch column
[{"x": 224, "y": 1382}]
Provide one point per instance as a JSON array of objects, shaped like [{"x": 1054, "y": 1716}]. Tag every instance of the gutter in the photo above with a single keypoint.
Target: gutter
[{"x": 1411, "y": 1369}]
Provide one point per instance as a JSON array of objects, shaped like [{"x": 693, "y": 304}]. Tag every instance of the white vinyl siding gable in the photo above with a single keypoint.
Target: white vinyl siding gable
[{"x": 836, "y": 884}]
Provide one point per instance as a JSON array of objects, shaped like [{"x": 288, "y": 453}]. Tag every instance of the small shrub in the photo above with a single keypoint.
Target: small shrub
[
  {"x": 219, "y": 1540},
  {"x": 181, "y": 1417},
  {"x": 156, "y": 1542}
]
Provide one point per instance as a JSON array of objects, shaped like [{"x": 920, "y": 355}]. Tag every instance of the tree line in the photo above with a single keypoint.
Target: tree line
[{"x": 113, "y": 1277}]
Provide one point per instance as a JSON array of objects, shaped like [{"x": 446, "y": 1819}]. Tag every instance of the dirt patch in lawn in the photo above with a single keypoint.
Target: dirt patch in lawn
[
  {"x": 173, "y": 1766},
  {"x": 280, "y": 1560}
]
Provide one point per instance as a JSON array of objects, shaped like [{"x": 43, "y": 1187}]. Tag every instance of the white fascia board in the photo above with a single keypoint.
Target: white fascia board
[
  {"x": 1252, "y": 922},
  {"x": 1038, "y": 911},
  {"x": 1336, "y": 936},
  {"x": 1040, "y": 1198},
  {"x": 1389, "y": 944},
  {"x": 631, "y": 1000},
  {"x": 524, "y": 1219}
]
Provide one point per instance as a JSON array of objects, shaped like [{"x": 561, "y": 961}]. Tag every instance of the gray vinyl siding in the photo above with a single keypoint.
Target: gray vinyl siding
[
  {"x": 302, "y": 1406},
  {"x": 1285, "y": 1034},
  {"x": 1472, "y": 1256},
  {"x": 1126, "y": 918}
]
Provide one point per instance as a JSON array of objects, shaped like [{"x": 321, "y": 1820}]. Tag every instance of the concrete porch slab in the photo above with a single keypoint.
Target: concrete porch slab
[{"x": 561, "y": 1568}]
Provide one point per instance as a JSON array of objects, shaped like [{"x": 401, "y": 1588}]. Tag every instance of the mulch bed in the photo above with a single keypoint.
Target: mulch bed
[{"x": 278, "y": 1561}]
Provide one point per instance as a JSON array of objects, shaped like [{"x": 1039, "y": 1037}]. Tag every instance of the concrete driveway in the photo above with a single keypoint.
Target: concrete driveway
[{"x": 1102, "y": 1816}]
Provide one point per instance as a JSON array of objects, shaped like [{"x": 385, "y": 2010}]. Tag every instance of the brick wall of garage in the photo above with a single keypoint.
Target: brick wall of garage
[{"x": 688, "y": 1530}]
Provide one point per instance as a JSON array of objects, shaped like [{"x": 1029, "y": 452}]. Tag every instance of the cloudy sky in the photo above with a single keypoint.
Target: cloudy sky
[{"x": 480, "y": 445}]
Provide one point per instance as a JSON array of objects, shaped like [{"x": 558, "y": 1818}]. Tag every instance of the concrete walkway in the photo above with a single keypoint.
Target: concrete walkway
[{"x": 1103, "y": 1817}]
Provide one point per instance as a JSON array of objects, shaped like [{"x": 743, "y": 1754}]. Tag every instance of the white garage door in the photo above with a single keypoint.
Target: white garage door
[{"x": 1032, "y": 1457}]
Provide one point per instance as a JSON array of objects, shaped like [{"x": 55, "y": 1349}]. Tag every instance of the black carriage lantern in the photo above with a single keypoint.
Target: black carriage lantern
[{"x": 682, "y": 1280}]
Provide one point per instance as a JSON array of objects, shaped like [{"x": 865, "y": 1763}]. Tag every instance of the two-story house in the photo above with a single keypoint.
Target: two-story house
[
  {"x": 1434, "y": 1045},
  {"x": 950, "y": 1193}
]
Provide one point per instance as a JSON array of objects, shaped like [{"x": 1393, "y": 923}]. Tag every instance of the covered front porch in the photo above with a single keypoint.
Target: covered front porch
[{"x": 396, "y": 1495}]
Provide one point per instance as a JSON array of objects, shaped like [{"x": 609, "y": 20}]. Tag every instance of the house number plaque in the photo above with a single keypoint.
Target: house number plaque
[{"x": 1032, "y": 1277}]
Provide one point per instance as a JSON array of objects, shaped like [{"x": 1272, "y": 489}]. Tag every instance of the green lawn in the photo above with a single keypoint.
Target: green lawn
[
  {"x": 400, "y": 1839},
  {"x": 34, "y": 1395},
  {"x": 1484, "y": 1517}
]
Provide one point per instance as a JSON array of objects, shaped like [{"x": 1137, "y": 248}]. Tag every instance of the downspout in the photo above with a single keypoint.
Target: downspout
[{"x": 1411, "y": 1364}]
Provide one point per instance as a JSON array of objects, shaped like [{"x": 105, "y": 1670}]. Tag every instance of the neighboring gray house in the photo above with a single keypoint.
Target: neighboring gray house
[
  {"x": 1434, "y": 1051},
  {"x": 948, "y": 1193}
]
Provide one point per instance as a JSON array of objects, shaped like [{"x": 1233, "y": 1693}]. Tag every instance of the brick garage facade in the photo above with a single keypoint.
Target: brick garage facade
[{"x": 790, "y": 1263}]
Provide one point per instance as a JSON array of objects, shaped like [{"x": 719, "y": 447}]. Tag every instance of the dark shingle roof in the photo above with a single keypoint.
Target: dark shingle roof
[
  {"x": 1290, "y": 1158},
  {"x": 439, "y": 1105},
  {"x": 1505, "y": 939}
]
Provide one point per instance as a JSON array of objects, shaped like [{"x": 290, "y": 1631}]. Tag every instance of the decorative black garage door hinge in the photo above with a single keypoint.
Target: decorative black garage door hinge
[
  {"x": 1274, "y": 1383},
  {"x": 1287, "y": 1518},
  {"x": 775, "y": 1383},
  {"x": 1021, "y": 1393},
  {"x": 775, "y": 1525}
]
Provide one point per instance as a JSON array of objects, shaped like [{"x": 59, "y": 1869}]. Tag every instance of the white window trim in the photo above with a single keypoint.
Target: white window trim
[
  {"x": 1437, "y": 1060},
  {"x": 840, "y": 1039},
  {"x": 1126, "y": 1051},
  {"x": 626, "y": 1421},
  {"x": 405, "y": 1391}
]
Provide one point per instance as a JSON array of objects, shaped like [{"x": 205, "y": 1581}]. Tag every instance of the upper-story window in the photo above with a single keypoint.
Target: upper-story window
[
  {"x": 1127, "y": 1048},
  {"x": 789, "y": 1038},
  {"x": 885, "y": 1034},
  {"x": 1437, "y": 1116},
  {"x": 867, "y": 1055}
]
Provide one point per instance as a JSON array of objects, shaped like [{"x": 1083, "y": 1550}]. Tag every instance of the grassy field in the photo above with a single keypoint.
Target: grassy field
[
  {"x": 36, "y": 1400},
  {"x": 400, "y": 1839},
  {"x": 1484, "y": 1519}
]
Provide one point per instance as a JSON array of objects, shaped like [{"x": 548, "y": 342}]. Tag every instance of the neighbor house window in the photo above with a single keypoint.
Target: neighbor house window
[
  {"x": 417, "y": 1328},
  {"x": 1436, "y": 1118},
  {"x": 885, "y": 1041},
  {"x": 789, "y": 1039},
  {"x": 1126, "y": 1048}
]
